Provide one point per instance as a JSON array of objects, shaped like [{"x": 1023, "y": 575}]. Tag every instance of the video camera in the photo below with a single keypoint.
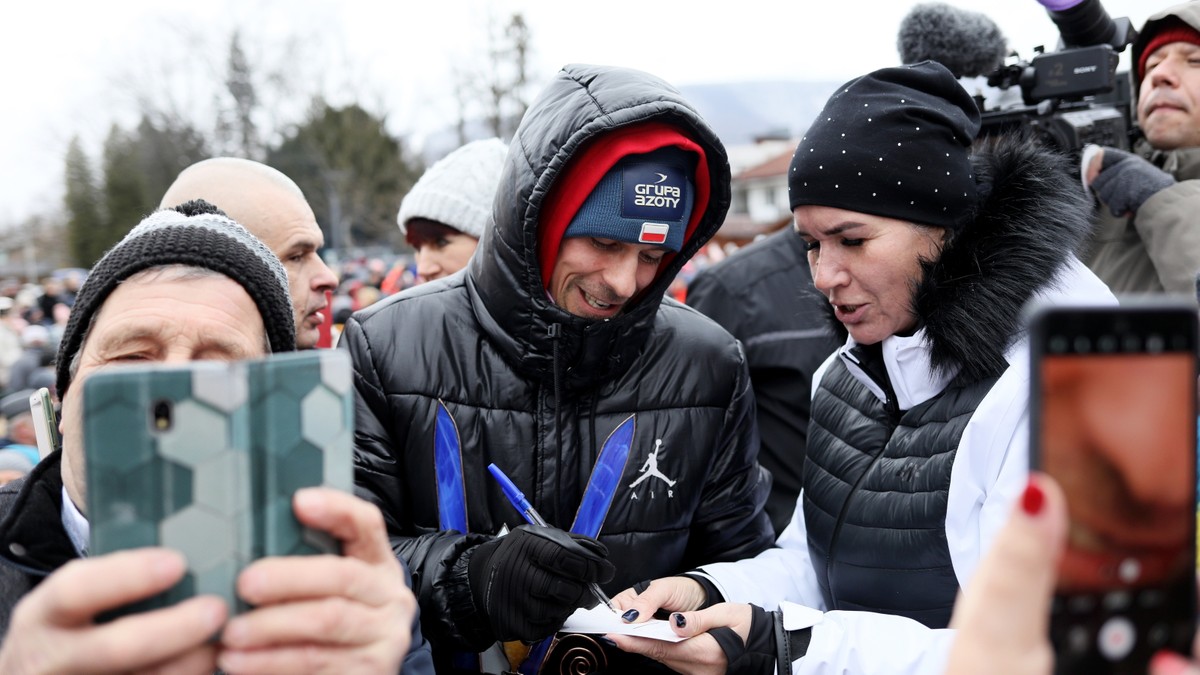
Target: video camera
[{"x": 1072, "y": 96}]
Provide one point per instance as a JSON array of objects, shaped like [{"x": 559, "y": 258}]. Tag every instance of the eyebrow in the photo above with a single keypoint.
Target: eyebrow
[
  {"x": 835, "y": 230},
  {"x": 302, "y": 245},
  {"x": 207, "y": 343},
  {"x": 116, "y": 341}
]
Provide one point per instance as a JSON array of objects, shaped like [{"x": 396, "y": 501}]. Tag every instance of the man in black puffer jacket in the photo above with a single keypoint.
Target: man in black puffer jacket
[{"x": 625, "y": 417}]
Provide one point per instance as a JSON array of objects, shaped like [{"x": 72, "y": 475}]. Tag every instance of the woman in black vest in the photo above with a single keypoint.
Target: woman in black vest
[{"x": 927, "y": 249}]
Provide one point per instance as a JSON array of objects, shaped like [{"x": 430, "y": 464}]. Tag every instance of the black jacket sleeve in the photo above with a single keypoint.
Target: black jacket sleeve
[
  {"x": 731, "y": 523},
  {"x": 434, "y": 557},
  {"x": 708, "y": 293}
]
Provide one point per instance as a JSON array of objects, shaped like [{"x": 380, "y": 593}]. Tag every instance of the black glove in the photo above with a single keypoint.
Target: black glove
[
  {"x": 529, "y": 581},
  {"x": 756, "y": 656},
  {"x": 1126, "y": 181},
  {"x": 767, "y": 649}
]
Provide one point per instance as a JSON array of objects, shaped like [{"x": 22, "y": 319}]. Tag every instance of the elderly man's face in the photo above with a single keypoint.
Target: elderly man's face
[
  {"x": 1168, "y": 106},
  {"x": 158, "y": 318}
]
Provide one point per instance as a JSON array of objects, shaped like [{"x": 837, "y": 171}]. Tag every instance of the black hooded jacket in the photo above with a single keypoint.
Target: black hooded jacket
[{"x": 537, "y": 390}]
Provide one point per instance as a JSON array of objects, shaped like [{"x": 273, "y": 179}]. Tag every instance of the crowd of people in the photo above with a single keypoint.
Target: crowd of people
[{"x": 819, "y": 464}]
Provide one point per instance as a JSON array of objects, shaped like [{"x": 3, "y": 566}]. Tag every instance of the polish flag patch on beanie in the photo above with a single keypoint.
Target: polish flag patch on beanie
[{"x": 654, "y": 233}]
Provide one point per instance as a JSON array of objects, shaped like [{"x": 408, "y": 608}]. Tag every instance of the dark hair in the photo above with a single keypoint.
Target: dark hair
[{"x": 422, "y": 230}]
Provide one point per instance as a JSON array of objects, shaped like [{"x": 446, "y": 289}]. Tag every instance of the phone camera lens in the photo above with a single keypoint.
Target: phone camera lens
[
  {"x": 1107, "y": 344},
  {"x": 162, "y": 415},
  {"x": 1155, "y": 344},
  {"x": 1058, "y": 344},
  {"x": 1083, "y": 344},
  {"x": 1131, "y": 343}
]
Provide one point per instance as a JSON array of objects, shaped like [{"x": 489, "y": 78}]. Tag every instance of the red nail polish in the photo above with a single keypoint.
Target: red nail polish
[
  {"x": 1033, "y": 499},
  {"x": 1168, "y": 663}
]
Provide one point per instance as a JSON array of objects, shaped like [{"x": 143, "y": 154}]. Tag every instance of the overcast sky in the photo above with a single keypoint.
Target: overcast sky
[{"x": 67, "y": 64}]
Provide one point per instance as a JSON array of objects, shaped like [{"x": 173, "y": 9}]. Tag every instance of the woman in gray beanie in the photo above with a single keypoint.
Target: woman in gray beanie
[
  {"x": 443, "y": 215},
  {"x": 927, "y": 247}
]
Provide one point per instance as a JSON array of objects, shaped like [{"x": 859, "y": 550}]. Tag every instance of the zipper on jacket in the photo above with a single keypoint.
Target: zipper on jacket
[
  {"x": 837, "y": 526},
  {"x": 554, "y": 332},
  {"x": 892, "y": 407},
  {"x": 867, "y": 366}
]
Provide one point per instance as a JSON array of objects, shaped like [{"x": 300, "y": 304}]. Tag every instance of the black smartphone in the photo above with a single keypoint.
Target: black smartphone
[{"x": 1114, "y": 422}]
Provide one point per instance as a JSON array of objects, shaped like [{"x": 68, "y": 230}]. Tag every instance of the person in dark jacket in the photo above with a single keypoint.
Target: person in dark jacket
[
  {"x": 927, "y": 248},
  {"x": 764, "y": 296},
  {"x": 151, "y": 298},
  {"x": 624, "y": 417}
]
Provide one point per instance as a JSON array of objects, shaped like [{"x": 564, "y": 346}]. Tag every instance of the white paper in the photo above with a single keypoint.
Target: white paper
[{"x": 601, "y": 619}]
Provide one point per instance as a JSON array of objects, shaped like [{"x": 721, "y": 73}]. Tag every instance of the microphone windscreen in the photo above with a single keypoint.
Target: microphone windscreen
[{"x": 968, "y": 44}]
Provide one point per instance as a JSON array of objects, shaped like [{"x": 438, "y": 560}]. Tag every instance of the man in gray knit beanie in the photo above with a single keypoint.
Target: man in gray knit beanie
[{"x": 185, "y": 284}]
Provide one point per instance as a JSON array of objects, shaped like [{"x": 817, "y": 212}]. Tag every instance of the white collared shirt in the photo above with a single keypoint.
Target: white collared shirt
[{"x": 76, "y": 524}]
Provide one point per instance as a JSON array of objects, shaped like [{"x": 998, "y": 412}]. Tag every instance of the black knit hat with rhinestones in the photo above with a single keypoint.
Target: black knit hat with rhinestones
[
  {"x": 195, "y": 234},
  {"x": 893, "y": 143}
]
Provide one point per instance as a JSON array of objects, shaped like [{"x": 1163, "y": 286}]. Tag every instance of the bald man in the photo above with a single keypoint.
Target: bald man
[{"x": 273, "y": 208}]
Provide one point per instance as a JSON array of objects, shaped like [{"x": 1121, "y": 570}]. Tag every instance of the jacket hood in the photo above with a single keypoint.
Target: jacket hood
[
  {"x": 1187, "y": 12},
  {"x": 1031, "y": 220},
  {"x": 505, "y": 278}
]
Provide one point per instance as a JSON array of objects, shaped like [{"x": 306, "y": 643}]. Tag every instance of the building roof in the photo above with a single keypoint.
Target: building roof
[
  {"x": 771, "y": 168},
  {"x": 739, "y": 227}
]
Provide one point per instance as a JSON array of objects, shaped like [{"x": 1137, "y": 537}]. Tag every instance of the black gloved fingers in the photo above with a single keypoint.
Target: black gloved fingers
[
  {"x": 529, "y": 581},
  {"x": 585, "y": 547},
  {"x": 566, "y": 563},
  {"x": 593, "y": 546},
  {"x": 559, "y": 590},
  {"x": 570, "y": 555}
]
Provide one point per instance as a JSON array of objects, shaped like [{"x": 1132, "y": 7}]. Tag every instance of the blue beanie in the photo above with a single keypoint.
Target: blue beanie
[{"x": 643, "y": 199}]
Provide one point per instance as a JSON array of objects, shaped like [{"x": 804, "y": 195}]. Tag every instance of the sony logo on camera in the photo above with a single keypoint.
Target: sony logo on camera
[{"x": 1073, "y": 96}]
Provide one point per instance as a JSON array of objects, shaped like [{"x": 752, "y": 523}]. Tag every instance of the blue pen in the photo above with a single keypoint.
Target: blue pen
[{"x": 517, "y": 499}]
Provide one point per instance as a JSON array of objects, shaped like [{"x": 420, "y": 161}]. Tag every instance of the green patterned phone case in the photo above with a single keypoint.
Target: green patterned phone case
[{"x": 203, "y": 458}]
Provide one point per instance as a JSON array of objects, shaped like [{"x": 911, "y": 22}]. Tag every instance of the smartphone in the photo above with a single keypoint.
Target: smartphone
[
  {"x": 168, "y": 464},
  {"x": 301, "y": 435},
  {"x": 204, "y": 458},
  {"x": 45, "y": 422},
  {"x": 1113, "y": 421}
]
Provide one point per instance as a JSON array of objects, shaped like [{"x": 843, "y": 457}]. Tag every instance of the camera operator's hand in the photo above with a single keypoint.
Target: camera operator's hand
[
  {"x": 529, "y": 581},
  {"x": 1122, "y": 181}
]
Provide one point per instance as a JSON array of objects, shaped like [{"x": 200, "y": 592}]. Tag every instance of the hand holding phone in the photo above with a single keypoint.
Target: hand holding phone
[
  {"x": 204, "y": 458},
  {"x": 1114, "y": 422}
]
